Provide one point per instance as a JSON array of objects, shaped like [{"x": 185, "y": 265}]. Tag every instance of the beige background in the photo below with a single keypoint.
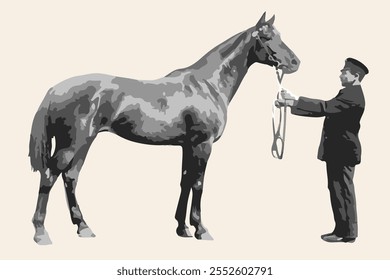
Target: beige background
[{"x": 256, "y": 207}]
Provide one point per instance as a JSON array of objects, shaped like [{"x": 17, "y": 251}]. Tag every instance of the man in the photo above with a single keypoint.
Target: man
[{"x": 340, "y": 146}]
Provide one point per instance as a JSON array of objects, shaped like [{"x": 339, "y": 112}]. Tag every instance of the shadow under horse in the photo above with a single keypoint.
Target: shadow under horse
[{"x": 187, "y": 108}]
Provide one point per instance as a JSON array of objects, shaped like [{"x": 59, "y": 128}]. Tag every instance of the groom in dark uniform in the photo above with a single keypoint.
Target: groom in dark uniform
[{"x": 340, "y": 146}]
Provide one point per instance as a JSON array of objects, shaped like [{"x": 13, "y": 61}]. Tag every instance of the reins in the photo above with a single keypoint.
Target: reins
[{"x": 279, "y": 133}]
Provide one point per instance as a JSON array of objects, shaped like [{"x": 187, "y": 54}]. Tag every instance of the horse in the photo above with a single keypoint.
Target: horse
[{"x": 186, "y": 108}]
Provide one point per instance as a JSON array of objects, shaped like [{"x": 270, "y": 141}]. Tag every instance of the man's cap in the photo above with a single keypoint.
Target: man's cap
[{"x": 356, "y": 65}]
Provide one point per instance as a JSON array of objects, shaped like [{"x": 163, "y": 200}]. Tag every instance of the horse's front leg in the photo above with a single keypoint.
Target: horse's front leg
[
  {"x": 194, "y": 165},
  {"x": 185, "y": 184},
  {"x": 201, "y": 154}
]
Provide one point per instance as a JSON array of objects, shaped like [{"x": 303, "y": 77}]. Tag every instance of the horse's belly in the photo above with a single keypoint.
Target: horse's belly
[
  {"x": 149, "y": 128},
  {"x": 159, "y": 131}
]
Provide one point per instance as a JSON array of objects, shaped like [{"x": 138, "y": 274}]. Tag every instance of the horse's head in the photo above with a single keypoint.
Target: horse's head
[{"x": 271, "y": 50}]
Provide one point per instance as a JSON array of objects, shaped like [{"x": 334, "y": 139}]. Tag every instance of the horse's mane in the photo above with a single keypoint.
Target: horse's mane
[{"x": 222, "y": 51}]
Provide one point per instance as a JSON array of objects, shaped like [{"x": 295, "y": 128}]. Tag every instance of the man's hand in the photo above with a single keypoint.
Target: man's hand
[
  {"x": 288, "y": 95},
  {"x": 284, "y": 102},
  {"x": 286, "y": 98}
]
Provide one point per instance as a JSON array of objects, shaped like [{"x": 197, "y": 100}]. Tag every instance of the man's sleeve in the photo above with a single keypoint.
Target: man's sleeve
[{"x": 309, "y": 107}]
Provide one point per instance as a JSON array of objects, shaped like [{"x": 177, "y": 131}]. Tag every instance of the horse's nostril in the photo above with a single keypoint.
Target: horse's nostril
[{"x": 294, "y": 62}]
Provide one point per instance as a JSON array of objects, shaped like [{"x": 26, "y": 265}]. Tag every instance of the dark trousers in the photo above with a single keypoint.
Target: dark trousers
[{"x": 342, "y": 197}]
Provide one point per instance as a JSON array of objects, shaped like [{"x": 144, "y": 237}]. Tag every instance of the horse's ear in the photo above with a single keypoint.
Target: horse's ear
[
  {"x": 261, "y": 22},
  {"x": 271, "y": 21}
]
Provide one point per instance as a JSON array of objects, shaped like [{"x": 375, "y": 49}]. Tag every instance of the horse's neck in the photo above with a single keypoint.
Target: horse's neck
[{"x": 226, "y": 65}]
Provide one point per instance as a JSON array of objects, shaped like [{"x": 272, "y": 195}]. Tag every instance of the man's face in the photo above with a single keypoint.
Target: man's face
[{"x": 347, "y": 78}]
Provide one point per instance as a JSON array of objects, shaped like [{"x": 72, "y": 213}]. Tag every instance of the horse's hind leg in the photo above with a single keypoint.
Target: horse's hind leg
[
  {"x": 47, "y": 181},
  {"x": 70, "y": 177}
]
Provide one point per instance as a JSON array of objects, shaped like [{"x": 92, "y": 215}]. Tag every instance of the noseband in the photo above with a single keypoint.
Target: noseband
[{"x": 279, "y": 132}]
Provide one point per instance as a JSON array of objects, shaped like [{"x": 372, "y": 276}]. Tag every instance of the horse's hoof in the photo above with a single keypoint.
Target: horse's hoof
[
  {"x": 204, "y": 236},
  {"x": 183, "y": 232},
  {"x": 42, "y": 239},
  {"x": 87, "y": 233}
]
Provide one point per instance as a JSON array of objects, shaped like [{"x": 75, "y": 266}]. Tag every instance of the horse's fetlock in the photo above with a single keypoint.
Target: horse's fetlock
[{"x": 38, "y": 220}]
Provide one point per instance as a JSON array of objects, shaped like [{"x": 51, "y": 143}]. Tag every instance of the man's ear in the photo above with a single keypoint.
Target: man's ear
[{"x": 357, "y": 75}]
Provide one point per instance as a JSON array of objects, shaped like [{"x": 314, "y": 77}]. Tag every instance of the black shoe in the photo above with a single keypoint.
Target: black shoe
[
  {"x": 327, "y": 234},
  {"x": 334, "y": 238}
]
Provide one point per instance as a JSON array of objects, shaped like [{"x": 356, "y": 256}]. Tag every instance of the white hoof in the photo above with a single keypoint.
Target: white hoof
[
  {"x": 87, "y": 233},
  {"x": 204, "y": 236},
  {"x": 42, "y": 238}
]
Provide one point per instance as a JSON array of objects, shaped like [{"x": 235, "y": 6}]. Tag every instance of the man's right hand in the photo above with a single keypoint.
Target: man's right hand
[
  {"x": 284, "y": 102},
  {"x": 287, "y": 95}
]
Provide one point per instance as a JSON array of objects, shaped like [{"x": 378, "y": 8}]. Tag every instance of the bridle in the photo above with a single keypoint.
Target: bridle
[{"x": 279, "y": 132}]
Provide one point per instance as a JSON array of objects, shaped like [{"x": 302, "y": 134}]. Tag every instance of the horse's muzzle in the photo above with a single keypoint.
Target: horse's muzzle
[{"x": 290, "y": 67}]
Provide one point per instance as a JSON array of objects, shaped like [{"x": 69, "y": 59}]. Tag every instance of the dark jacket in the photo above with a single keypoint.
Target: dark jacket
[{"x": 340, "y": 134}]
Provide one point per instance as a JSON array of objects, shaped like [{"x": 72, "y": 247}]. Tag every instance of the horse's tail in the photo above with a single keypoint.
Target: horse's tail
[{"x": 40, "y": 142}]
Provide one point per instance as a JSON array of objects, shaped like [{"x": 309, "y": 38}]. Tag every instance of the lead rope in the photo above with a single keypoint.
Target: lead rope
[{"x": 279, "y": 136}]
